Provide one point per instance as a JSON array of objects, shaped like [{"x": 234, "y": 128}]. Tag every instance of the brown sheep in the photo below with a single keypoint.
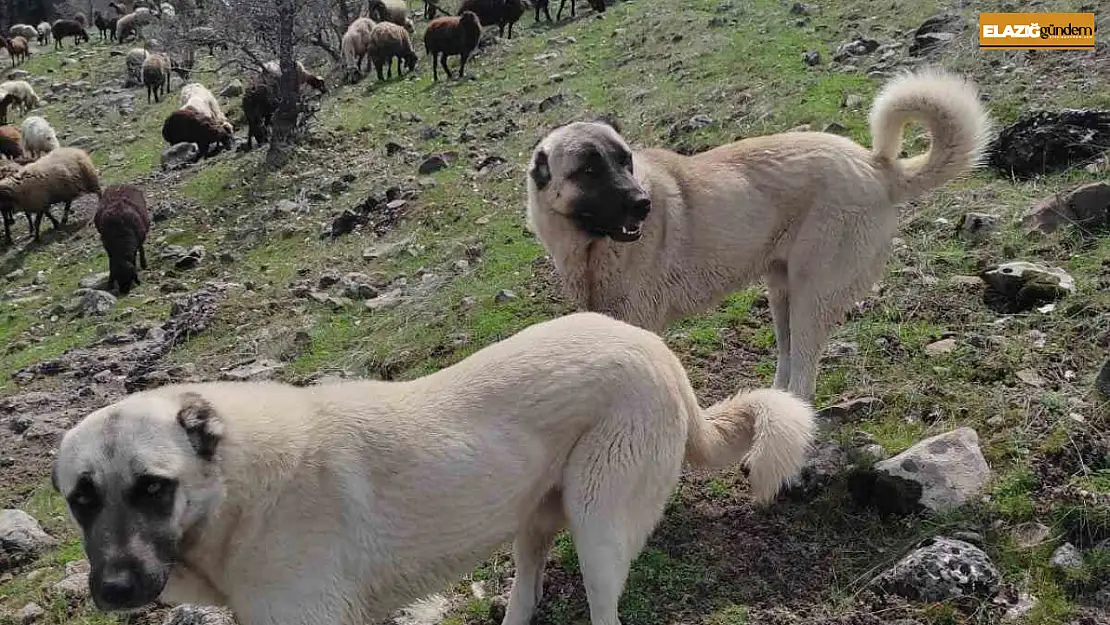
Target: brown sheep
[
  {"x": 186, "y": 125},
  {"x": 258, "y": 108},
  {"x": 11, "y": 142},
  {"x": 61, "y": 176},
  {"x": 389, "y": 41},
  {"x": 18, "y": 50},
  {"x": 68, "y": 28},
  {"x": 448, "y": 36},
  {"x": 123, "y": 223},
  {"x": 156, "y": 76},
  {"x": 500, "y": 12}
]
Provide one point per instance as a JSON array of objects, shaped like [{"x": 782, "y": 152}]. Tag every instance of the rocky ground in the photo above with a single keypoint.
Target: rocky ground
[{"x": 964, "y": 470}]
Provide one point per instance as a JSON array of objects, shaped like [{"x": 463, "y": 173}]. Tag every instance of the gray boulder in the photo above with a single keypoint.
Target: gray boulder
[
  {"x": 942, "y": 569},
  {"x": 21, "y": 539},
  {"x": 179, "y": 156},
  {"x": 949, "y": 467}
]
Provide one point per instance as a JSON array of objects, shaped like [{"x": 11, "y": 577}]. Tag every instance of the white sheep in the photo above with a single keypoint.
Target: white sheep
[
  {"x": 44, "y": 33},
  {"x": 356, "y": 42},
  {"x": 197, "y": 97},
  {"x": 38, "y": 137},
  {"x": 22, "y": 93},
  {"x": 26, "y": 31},
  {"x": 61, "y": 176}
]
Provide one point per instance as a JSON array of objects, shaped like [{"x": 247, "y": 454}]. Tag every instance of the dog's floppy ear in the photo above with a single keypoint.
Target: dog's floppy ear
[
  {"x": 608, "y": 120},
  {"x": 540, "y": 170},
  {"x": 202, "y": 424}
]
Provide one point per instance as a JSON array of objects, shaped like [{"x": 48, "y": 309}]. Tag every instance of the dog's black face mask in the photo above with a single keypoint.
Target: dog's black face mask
[
  {"x": 596, "y": 183},
  {"x": 129, "y": 537}
]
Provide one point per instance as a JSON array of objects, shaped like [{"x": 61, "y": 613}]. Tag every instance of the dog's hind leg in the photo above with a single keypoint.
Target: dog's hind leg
[
  {"x": 617, "y": 482},
  {"x": 778, "y": 295},
  {"x": 530, "y": 557}
]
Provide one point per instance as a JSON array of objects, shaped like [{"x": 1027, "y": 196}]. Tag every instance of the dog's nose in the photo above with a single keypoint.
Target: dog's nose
[
  {"x": 641, "y": 207},
  {"x": 118, "y": 588}
]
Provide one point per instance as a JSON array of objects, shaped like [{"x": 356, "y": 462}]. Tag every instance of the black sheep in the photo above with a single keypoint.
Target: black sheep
[
  {"x": 188, "y": 126},
  {"x": 68, "y": 28},
  {"x": 258, "y": 108},
  {"x": 123, "y": 223},
  {"x": 500, "y": 12}
]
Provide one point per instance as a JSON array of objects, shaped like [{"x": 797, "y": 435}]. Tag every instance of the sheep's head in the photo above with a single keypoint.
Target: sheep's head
[
  {"x": 410, "y": 60},
  {"x": 84, "y": 34},
  {"x": 470, "y": 20},
  {"x": 122, "y": 273}
]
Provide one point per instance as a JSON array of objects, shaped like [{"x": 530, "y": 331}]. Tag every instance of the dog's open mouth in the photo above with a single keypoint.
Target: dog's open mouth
[{"x": 628, "y": 233}]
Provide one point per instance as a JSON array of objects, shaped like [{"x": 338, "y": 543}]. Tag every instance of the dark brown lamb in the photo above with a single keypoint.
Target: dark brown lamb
[
  {"x": 500, "y": 12},
  {"x": 449, "y": 36},
  {"x": 189, "y": 126},
  {"x": 68, "y": 28},
  {"x": 123, "y": 223}
]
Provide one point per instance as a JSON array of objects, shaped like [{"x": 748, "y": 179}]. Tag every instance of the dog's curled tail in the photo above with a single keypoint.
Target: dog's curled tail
[
  {"x": 957, "y": 122},
  {"x": 769, "y": 430}
]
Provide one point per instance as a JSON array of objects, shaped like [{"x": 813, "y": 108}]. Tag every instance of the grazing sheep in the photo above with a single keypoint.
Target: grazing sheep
[
  {"x": 304, "y": 77},
  {"x": 23, "y": 93},
  {"x": 431, "y": 7},
  {"x": 10, "y": 142},
  {"x": 197, "y": 97},
  {"x": 61, "y": 176},
  {"x": 68, "y": 28},
  {"x": 18, "y": 49},
  {"x": 156, "y": 76},
  {"x": 186, "y": 125},
  {"x": 448, "y": 36},
  {"x": 44, "y": 33},
  {"x": 356, "y": 43},
  {"x": 132, "y": 23},
  {"x": 118, "y": 8},
  {"x": 389, "y": 41},
  {"x": 258, "y": 108},
  {"x": 500, "y": 12},
  {"x": 38, "y": 137},
  {"x": 26, "y": 31},
  {"x": 106, "y": 25},
  {"x": 396, "y": 11},
  {"x": 123, "y": 223},
  {"x": 7, "y": 170},
  {"x": 134, "y": 61}
]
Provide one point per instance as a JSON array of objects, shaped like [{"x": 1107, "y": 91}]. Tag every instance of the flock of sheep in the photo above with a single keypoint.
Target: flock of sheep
[{"x": 37, "y": 173}]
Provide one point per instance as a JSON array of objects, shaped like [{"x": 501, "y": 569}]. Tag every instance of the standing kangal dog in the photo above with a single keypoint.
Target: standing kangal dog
[
  {"x": 340, "y": 503},
  {"x": 650, "y": 236}
]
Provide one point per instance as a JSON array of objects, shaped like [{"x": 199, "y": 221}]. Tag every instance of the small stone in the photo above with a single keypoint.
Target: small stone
[
  {"x": 1067, "y": 558},
  {"x": 853, "y": 101},
  {"x": 799, "y": 8},
  {"x": 852, "y": 410},
  {"x": 21, "y": 539},
  {"x": 1018, "y": 286},
  {"x": 468, "y": 302},
  {"x": 179, "y": 156},
  {"x": 973, "y": 225},
  {"x": 461, "y": 265},
  {"x": 1031, "y": 377},
  {"x": 503, "y": 296},
  {"x": 328, "y": 279},
  {"x": 261, "y": 369},
  {"x": 1102, "y": 381},
  {"x": 551, "y": 102},
  {"x": 94, "y": 302},
  {"x": 949, "y": 467},
  {"x": 74, "y": 587},
  {"x": 1029, "y": 535},
  {"x": 941, "y": 347},
  {"x": 30, "y": 613},
  {"x": 835, "y": 128},
  {"x": 432, "y": 164},
  {"x": 93, "y": 280},
  {"x": 942, "y": 569},
  {"x": 875, "y": 451},
  {"x": 812, "y": 58}
]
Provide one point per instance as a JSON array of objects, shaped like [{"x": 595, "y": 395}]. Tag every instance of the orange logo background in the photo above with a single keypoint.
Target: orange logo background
[{"x": 1037, "y": 31}]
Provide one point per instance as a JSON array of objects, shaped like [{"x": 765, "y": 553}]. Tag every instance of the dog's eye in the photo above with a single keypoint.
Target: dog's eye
[{"x": 153, "y": 487}]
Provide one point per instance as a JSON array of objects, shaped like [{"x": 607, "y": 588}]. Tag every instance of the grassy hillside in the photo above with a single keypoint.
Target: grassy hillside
[{"x": 461, "y": 272}]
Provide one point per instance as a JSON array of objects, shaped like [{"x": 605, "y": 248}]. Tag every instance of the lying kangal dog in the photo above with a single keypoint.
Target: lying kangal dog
[
  {"x": 340, "y": 503},
  {"x": 649, "y": 236}
]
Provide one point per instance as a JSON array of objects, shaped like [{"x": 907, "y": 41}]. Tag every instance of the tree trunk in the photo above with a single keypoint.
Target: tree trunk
[{"x": 285, "y": 117}]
